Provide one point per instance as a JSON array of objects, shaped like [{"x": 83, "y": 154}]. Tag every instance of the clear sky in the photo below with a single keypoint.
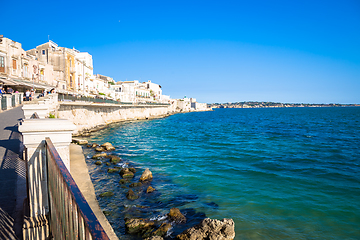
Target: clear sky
[{"x": 216, "y": 51}]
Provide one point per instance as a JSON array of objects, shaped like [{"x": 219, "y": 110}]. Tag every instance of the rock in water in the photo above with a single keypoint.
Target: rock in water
[
  {"x": 131, "y": 195},
  {"x": 135, "y": 184},
  {"x": 98, "y": 163},
  {"x": 108, "y": 146},
  {"x": 99, "y": 149},
  {"x": 138, "y": 225},
  {"x": 210, "y": 229},
  {"x": 154, "y": 238},
  {"x": 176, "y": 216},
  {"x": 94, "y": 145},
  {"x": 150, "y": 189},
  {"x": 114, "y": 159},
  {"x": 106, "y": 194},
  {"x": 146, "y": 175},
  {"x": 126, "y": 173},
  {"x": 112, "y": 170},
  {"x": 99, "y": 155},
  {"x": 163, "y": 229}
]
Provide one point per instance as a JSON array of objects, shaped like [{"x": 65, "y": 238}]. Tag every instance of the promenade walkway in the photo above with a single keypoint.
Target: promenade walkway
[{"x": 12, "y": 175}]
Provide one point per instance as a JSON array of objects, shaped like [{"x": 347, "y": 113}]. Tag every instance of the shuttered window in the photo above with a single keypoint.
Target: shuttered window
[
  {"x": 2, "y": 64},
  {"x": 14, "y": 64}
]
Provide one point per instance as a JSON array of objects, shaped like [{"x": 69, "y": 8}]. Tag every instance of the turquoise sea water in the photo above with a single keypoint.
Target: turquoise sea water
[{"x": 288, "y": 173}]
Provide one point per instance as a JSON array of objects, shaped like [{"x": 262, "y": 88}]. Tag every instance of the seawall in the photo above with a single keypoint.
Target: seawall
[{"x": 87, "y": 116}]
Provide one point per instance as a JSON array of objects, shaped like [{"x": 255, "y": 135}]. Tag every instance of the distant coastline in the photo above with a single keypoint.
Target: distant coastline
[{"x": 276, "y": 105}]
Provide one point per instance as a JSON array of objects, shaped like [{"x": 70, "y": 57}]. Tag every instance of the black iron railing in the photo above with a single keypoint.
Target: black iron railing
[
  {"x": 70, "y": 215},
  {"x": 65, "y": 97}
]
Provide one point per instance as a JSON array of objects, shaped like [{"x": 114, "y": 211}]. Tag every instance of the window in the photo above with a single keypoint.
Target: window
[
  {"x": 25, "y": 70},
  {"x": 14, "y": 64},
  {"x": 2, "y": 64},
  {"x": 43, "y": 52}
]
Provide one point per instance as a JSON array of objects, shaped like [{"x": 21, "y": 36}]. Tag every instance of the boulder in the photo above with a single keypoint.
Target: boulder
[
  {"x": 150, "y": 189},
  {"x": 106, "y": 194},
  {"x": 114, "y": 159},
  {"x": 123, "y": 181},
  {"x": 138, "y": 225},
  {"x": 100, "y": 149},
  {"x": 79, "y": 141},
  {"x": 146, "y": 175},
  {"x": 176, "y": 216},
  {"x": 108, "y": 146},
  {"x": 126, "y": 173},
  {"x": 210, "y": 229},
  {"x": 99, "y": 155},
  {"x": 112, "y": 170},
  {"x": 155, "y": 238},
  {"x": 132, "y": 170},
  {"x": 135, "y": 184},
  {"x": 163, "y": 229},
  {"x": 131, "y": 195}
]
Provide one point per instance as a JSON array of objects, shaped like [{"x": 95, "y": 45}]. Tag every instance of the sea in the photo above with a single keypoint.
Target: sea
[{"x": 279, "y": 173}]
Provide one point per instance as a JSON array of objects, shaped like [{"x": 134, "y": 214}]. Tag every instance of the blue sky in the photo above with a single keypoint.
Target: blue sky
[{"x": 215, "y": 51}]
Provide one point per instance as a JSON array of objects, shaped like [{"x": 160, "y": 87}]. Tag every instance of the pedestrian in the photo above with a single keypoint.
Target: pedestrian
[
  {"x": 2, "y": 90},
  {"x": 27, "y": 95},
  {"x": 32, "y": 94},
  {"x": 10, "y": 90}
]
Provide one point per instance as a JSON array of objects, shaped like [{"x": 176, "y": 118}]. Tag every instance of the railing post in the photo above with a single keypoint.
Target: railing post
[{"x": 34, "y": 132}]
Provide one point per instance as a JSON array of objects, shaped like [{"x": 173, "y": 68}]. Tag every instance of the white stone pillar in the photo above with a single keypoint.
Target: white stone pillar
[{"x": 34, "y": 132}]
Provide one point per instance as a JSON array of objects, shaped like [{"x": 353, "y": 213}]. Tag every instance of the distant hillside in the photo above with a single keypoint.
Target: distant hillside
[{"x": 275, "y": 105}]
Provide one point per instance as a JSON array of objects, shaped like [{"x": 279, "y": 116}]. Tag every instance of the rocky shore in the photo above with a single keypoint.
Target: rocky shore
[{"x": 138, "y": 185}]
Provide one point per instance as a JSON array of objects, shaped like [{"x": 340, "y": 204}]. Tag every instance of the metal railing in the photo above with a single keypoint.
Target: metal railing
[
  {"x": 64, "y": 97},
  {"x": 13, "y": 103},
  {"x": 3, "y": 103},
  {"x": 70, "y": 215}
]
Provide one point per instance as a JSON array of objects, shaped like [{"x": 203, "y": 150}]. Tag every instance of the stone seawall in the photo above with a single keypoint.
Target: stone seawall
[{"x": 87, "y": 116}]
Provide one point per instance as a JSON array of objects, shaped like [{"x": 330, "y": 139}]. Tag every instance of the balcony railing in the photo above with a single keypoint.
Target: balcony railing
[{"x": 70, "y": 215}]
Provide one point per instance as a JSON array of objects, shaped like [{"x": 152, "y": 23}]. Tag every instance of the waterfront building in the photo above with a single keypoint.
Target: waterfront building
[{"x": 21, "y": 69}]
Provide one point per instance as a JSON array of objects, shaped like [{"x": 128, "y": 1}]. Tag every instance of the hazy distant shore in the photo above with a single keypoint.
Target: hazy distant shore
[{"x": 276, "y": 105}]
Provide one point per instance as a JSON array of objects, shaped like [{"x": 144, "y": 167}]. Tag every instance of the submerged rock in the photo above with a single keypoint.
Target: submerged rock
[
  {"x": 123, "y": 181},
  {"x": 98, "y": 163},
  {"x": 146, "y": 175},
  {"x": 131, "y": 195},
  {"x": 132, "y": 170},
  {"x": 89, "y": 145},
  {"x": 138, "y": 226},
  {"x": 176, "y": 216},
  {"x": 210, "y": 229},
  {"x": 108, "y": 146},
  {"x": 112, "y": 170},
  {"x": 150, "y": 189},
  {"x": 114, "y": 159},
  {"x": 99, "y": 155},
  {"x": 108, "y": 164},
  {"x": 135, "y": 184},
  {"x": 126, "y": 173},
  {"x": 106, "y": 194},
  {"x": 163, "y": 229},
  {"x": 107, "y": 213}
]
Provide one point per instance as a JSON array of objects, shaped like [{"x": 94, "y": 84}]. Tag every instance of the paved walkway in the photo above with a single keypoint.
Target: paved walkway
[{"x": 12, "y": 175}]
